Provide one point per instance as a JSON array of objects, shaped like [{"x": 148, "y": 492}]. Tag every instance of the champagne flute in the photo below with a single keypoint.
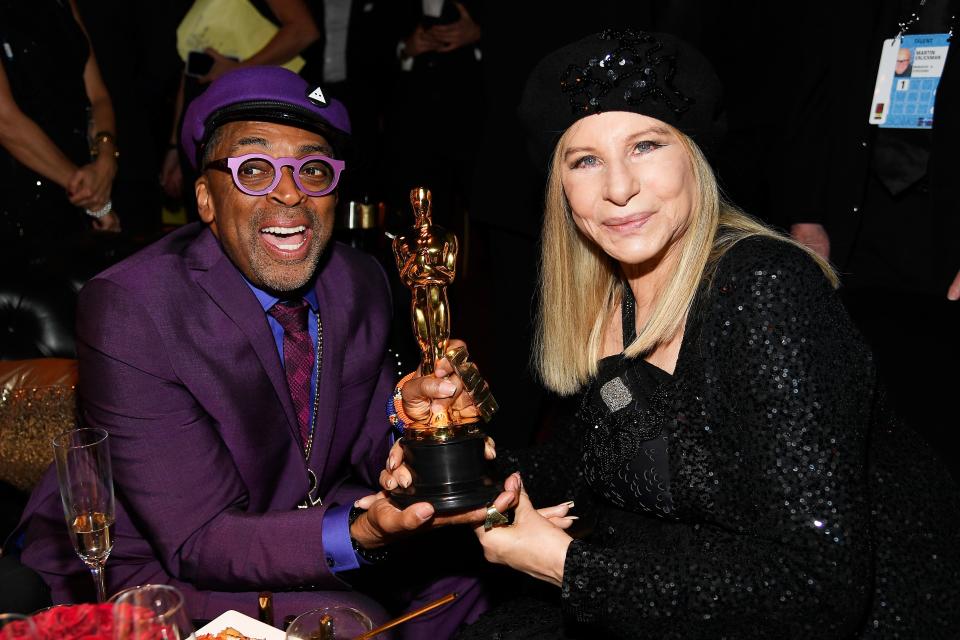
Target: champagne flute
[
  {"x": 86, "y": 487},
  {"x": 14, "y": 626},
  {"x": 150, "y": 612}
]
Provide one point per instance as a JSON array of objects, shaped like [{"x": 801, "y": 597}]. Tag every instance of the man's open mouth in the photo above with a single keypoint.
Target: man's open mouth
[{"x": 285, "y": 238}]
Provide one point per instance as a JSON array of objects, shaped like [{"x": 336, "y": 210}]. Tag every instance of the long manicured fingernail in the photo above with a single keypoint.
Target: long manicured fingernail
[
  {"x": 391, "y": 464},
  {"x": 391, "y": 483},
  {"x": 571, "y": 504},
  {"x": 424, "y": 512},
  {"x": 572, "y": 517},
  {"x": 404, "y": 483}
]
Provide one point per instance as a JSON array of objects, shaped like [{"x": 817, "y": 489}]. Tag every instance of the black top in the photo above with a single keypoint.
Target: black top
[
  {"x": 793, "y": 488},
  {"x": 621, "y": 417},
  {"x": 44, "y": 54}
]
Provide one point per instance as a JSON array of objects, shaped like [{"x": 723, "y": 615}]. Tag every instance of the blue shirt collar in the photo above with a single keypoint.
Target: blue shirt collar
[{"x": 267, "y": 300}]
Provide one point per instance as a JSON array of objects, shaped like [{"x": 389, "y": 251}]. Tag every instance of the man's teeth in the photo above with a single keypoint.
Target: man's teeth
[{"x": 283, "y": 231}]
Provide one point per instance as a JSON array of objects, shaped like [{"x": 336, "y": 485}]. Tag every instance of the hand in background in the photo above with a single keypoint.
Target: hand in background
[
  {"x": 812, "y": 235},
  {"x": 90, "y": 185},
  {"x": 221, "y": 64},
  {"x": 457, "y": 34},
  {"x": 420, "y": 41},
  {"x": 109, "y": 222},
  {"x": 953, "y": 293},
  {"x": 535, "y": 543}
]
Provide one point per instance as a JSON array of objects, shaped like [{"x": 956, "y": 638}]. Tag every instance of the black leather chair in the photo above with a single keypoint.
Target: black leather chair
[
  {"x": 37, "y": 314},
  {"x": 22, "y": 590},
  {"x": 38, "y": 297}
]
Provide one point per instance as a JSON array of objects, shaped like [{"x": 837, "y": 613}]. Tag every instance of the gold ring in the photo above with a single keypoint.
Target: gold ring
[{"x": 494, "y": 519}]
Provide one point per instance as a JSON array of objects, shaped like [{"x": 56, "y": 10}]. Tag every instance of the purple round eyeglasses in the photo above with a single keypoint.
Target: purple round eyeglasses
[{"x": 258, "y": 174}]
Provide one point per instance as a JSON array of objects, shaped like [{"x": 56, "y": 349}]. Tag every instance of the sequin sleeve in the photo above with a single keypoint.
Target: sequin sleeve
[
  {"x": 552, "y": 472},
  {"x": 767, "y": 451}
]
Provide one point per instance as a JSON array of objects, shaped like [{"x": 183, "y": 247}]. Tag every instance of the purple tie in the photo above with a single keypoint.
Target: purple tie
[{"x": 297, "y": 358}]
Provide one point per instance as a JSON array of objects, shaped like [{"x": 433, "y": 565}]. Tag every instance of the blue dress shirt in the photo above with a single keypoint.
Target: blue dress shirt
[{"x": 336, "y": 525}]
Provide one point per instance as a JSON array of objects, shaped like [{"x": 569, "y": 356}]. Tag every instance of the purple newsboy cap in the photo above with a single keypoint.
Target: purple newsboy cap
[{"x": 262, "y": 94}]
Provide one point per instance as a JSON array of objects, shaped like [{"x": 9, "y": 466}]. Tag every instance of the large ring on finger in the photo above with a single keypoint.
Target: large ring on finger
[{"x": 494, "y": 519}]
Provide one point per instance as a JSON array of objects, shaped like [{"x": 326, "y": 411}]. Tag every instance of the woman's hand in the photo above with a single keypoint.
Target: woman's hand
[
  {"x": 109, "y": 222},
  {"x": 90, "y": 185},
  {"x": 221, "y": 64},
  {"x": 535, "y": 543}
]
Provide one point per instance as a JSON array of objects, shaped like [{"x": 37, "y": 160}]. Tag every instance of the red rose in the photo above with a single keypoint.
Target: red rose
[{"x": 75, "y": 622}]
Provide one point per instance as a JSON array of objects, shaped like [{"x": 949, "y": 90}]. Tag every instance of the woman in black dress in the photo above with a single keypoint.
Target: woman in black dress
[
  {"x": 54, "y": 109},
  {"x": 731, "y": 462}
]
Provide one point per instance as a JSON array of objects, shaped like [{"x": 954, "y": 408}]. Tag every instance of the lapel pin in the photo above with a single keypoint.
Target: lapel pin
[{"x": 316, "y": 97}]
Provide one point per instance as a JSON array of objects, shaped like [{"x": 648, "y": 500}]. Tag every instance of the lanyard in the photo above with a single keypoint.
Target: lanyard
[
  {"x": 905, "y": 25},
  {"x": 313, "y": 499}
]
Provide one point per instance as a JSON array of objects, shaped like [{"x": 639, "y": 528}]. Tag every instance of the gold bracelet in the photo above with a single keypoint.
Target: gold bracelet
[{"x": 99, "y": 138}]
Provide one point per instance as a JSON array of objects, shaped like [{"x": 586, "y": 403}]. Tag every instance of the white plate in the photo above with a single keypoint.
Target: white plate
[{"x": 246, "y": 625}]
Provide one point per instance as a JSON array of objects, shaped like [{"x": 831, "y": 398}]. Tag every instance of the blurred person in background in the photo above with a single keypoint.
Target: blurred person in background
[
  {"x": 136, "y": 52},
  {"x": 297, "y": 30},
  {"x": 55, "y": 113},
  {"x": 434, "y": 115},
  {"x": 883, "y": 203}
]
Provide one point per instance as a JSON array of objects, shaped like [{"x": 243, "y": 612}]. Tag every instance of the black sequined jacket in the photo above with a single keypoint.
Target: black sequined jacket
[{"x": 797, "y": 511}]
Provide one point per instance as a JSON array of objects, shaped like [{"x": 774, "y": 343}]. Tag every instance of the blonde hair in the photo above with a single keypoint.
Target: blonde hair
[{"x": 580, "y": 284}]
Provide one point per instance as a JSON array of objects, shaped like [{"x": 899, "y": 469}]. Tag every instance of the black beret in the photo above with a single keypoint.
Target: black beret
[{"x": 653, "y": 74}]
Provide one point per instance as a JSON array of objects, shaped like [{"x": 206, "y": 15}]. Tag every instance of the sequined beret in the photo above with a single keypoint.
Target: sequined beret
[{"x": 653, "y": 74}]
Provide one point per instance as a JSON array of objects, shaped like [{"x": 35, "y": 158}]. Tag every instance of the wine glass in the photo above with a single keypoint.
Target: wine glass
[
  {"x": 329, "y": 623},
  {"x": 113, "y": 599},
  {"x": 14, "y": 626},
  {"x": 150, "y": 612},
  {"x": 86, "y": 487}
]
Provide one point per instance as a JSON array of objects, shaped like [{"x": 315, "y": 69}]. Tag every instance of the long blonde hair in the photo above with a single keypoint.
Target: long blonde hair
[{"x": 580, "y": 284}]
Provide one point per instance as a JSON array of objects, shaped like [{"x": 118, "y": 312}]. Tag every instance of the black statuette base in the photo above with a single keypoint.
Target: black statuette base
[{"x": 451, "y": 475}]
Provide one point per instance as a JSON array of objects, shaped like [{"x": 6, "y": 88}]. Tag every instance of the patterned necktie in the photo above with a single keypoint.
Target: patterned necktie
[{"x": 297, "y": 358}]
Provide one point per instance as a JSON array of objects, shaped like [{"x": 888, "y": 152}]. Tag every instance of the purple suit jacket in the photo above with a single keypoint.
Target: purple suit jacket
[{"x": 178, "y": 363}]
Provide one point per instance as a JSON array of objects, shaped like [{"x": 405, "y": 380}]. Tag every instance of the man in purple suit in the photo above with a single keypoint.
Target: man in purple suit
[{"x": 240, "y": 368}]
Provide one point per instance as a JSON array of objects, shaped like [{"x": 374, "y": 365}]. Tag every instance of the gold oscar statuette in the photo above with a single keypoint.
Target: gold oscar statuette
[{"x": 445, "y": 452}]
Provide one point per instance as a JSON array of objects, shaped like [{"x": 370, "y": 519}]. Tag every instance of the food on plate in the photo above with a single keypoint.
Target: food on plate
[{"x": 227, "y": 634}]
